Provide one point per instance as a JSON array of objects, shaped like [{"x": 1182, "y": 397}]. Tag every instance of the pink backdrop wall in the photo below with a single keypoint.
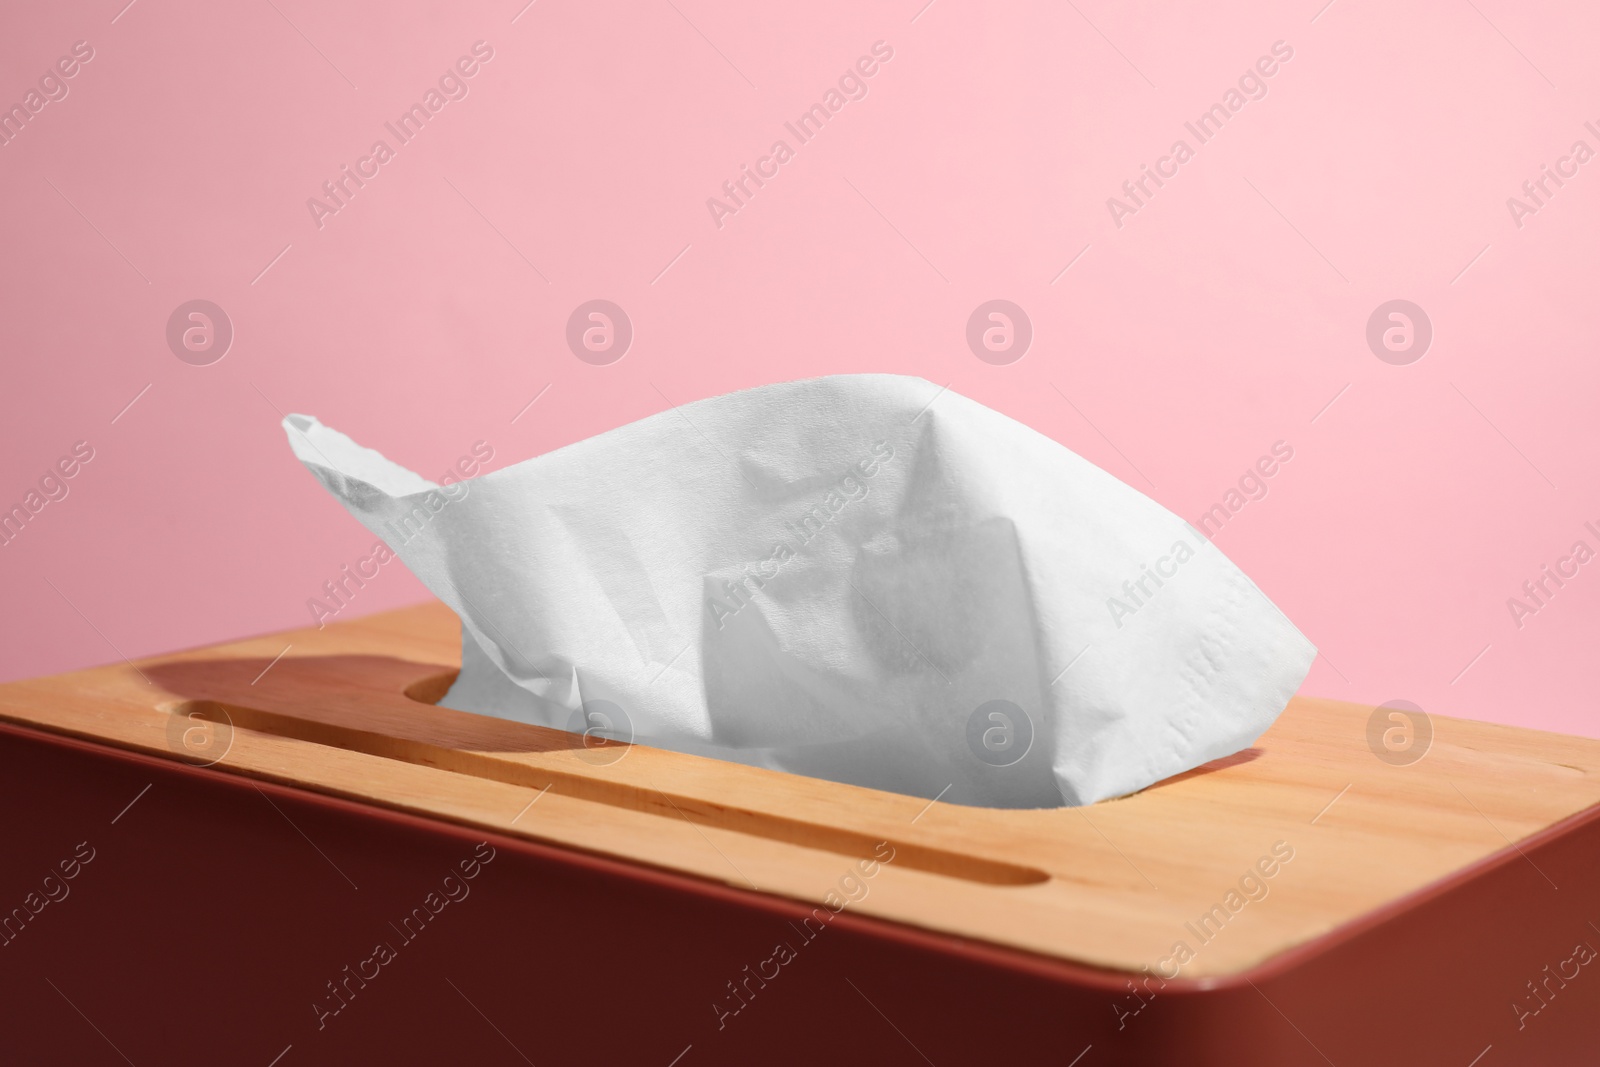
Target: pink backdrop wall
[{"x": 1227, "y": 312}]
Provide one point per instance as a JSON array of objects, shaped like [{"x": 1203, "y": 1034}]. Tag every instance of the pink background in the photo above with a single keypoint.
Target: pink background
[{"x": 1222, "y": 317}]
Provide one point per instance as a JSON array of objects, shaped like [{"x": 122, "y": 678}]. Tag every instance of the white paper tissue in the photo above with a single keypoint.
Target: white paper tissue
[{"x": 862, "y": 578}]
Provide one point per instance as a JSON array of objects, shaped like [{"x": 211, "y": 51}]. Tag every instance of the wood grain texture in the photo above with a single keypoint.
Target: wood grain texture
[{"x": 1115, "y": 885}]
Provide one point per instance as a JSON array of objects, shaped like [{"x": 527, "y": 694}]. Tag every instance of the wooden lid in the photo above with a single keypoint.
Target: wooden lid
[{"x": 1236, "y": 861}]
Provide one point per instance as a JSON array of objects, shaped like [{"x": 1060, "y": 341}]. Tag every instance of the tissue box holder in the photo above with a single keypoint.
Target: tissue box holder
[{"x": 263, "y": 815}]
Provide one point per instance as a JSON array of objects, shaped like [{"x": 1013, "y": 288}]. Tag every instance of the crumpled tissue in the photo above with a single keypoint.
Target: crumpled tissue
[{"x": 861, "y": 578}]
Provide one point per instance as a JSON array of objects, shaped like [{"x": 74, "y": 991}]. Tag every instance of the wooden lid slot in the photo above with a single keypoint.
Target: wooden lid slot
[{"x": 533, "y": 770}]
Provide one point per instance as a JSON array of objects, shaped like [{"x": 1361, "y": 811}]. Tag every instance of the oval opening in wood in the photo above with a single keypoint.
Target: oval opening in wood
[{"x": 503, "y": 767}]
